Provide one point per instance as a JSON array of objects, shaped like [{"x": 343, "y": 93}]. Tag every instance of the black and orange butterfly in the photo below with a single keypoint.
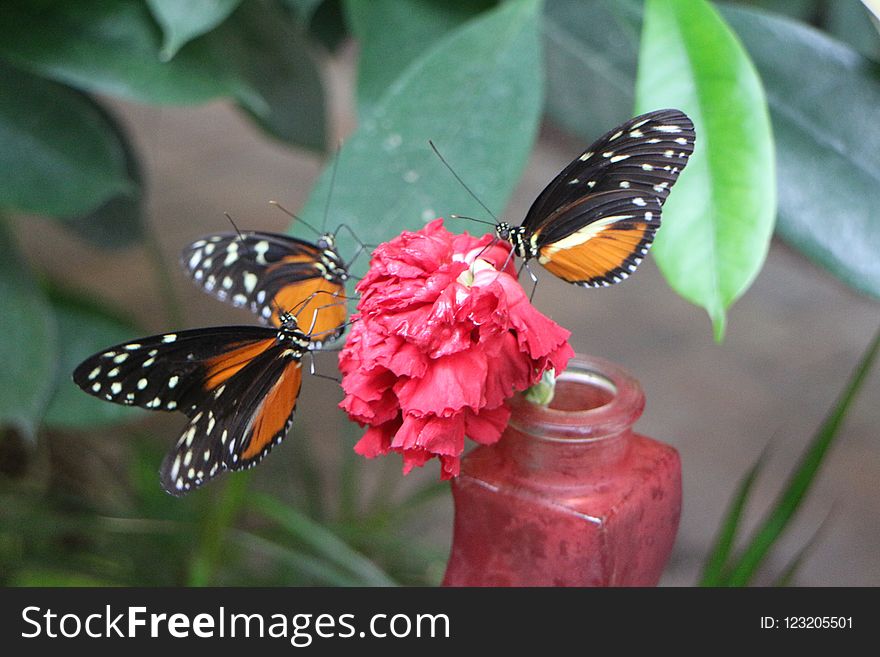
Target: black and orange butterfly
[
  {"x": 267, "y": 271},
  {"x": 595, "y": 221},
  {"x": 238, "y": 385}
]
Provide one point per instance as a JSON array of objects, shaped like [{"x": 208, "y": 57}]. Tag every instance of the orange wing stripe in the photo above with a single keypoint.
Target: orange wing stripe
[
  {"x": 596, "y": 257},
  {"x": 292, "y": 260},
  {"x": 326, "y": 308},
  {"x": 275, "y": 410},
  {"x": 222, "y": 367}
]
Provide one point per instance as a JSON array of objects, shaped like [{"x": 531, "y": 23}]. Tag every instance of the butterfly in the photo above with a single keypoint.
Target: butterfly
[
  {"x": 237, "y": 385},
  {"x": 595, "y": 221},
  {"x": 268, "y": 271}
]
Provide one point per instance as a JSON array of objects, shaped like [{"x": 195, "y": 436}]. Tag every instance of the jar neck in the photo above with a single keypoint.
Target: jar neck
[{"x": 588, "y": 424}]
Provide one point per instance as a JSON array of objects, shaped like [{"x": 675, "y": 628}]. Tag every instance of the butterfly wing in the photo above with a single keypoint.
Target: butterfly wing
[
  {"x": 596, "y": 220},
  {"x": 238, "y": 386},
  {"x": 235, "y": 429},
  {"x": 646, "y": 154},
  {"x": 267, "y": 271},
  {"x": 600, "y": 239}
]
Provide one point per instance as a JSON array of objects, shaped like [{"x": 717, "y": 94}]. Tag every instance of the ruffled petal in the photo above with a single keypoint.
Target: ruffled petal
[{"x": 444, "y": 335}]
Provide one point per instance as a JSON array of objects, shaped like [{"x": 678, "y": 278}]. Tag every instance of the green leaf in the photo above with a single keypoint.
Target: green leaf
[
  {"x": 316, "y": 568},
  {"x": 805, "y": 10},
  {"x": 824, "y": 98},
  {"x": 28, "y": 349},
  {"x": 226, "y": 505},
  {"x": 717, "y": 560},
  {"x": 591, "y": 50},
  {"x": 112, "y": 47},
  {"x": 477, "y": 93},
  {"x": 43, "y": 577},
  {"x": 304, "y": 9},
  {"x": 59, "y": 155},
  {"x": 87, "y": 328},
  {"x": 119, "y": 221},
  {"x": 850, "y": 21},
  {"x": 327, "y": 24},
  {"x": 385, "y": 53},
  {"x": 272, "y": 57},
  {"x": 321, "y": 540},
  {"x": 786, "y": 577},
  {"x": 828, "y": 172},
  {"x": 744, "y": 568},
  {"x": 719, "y": 218},
  {"x": 184, "y": 21}
]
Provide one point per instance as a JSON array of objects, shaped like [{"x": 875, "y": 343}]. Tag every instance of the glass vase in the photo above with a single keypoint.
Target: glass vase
[{"x": 570, "y": 495}]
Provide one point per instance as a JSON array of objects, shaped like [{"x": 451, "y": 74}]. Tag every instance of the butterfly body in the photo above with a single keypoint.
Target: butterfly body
[
  {"x": 595, "y": 221},
  {"x": 237, "y": 385},
  {"x": 268, "y": 271}
]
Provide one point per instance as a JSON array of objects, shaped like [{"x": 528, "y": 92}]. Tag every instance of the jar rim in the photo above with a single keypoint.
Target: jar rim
[{"x": 584, "y": 425}]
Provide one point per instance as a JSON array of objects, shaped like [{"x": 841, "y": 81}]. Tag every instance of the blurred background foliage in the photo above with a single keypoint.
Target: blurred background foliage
[{"x": 785, "y": 97}]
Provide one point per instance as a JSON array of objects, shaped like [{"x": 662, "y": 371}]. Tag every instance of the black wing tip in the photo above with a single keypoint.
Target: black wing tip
[
  {"x": 79, "y": 373},
  {"x": 664, "y": 112},
  {"x": 671, "y": 115},
  {"x": 182, "y": 485}
]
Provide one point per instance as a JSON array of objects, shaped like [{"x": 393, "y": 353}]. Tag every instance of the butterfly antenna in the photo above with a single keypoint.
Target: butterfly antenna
[
  {"x": 295, "y": 217},
  {"x": 332, "y": 183},
  {"x": 479, "y": 221},
  {"x": 461, "y": 182},
  {"x": 279, "y": 311},
  {"x": 240, "y": 235}
]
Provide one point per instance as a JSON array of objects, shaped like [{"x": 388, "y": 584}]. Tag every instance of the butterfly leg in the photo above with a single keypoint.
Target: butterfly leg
[
  {"x": 489, "y": 246},
  {"x": 533, "y": 277},
  {"x": 362, "y": 246},
  {"x": 313, "y": 371},
  {"x": 318, "y": 310}
]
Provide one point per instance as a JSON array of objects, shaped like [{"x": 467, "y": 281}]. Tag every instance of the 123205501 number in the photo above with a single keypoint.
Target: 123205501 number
[{"x": 817, "y": 622}]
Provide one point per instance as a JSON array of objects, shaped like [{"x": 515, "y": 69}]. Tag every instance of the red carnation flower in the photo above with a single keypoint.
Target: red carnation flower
[{"x": 443, "y": 339}]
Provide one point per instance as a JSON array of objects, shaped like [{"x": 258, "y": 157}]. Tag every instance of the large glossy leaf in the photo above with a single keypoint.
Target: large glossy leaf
[
  {"x": 86, "y": 328},
  {"x": 28, "y": 345},
  {"x": 591, "y": 50},
  {"x": 805, "y": 10},
  {"x": 384, "y": 51},
  {"x": 272, "y": 57},
  {"x": 304, "y": 9},
  {"x": 111, "y": 47},
  {"x": 851, "y": 22},
  {"x": 118, "y": 221},
  {"x": 327, "y": 24},
  {"x": 825, "y": 103},
  {"x": 719, "y": 218},
  {"x": 59, "y": 155},
  {"x": 477, "y": 94},
  {"x": 183, "y": 21},
  {"x": 828, "y": 176}
]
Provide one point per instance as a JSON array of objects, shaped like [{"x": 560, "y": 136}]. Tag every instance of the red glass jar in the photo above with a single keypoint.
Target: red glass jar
[{"x": 570, "y": 495}]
